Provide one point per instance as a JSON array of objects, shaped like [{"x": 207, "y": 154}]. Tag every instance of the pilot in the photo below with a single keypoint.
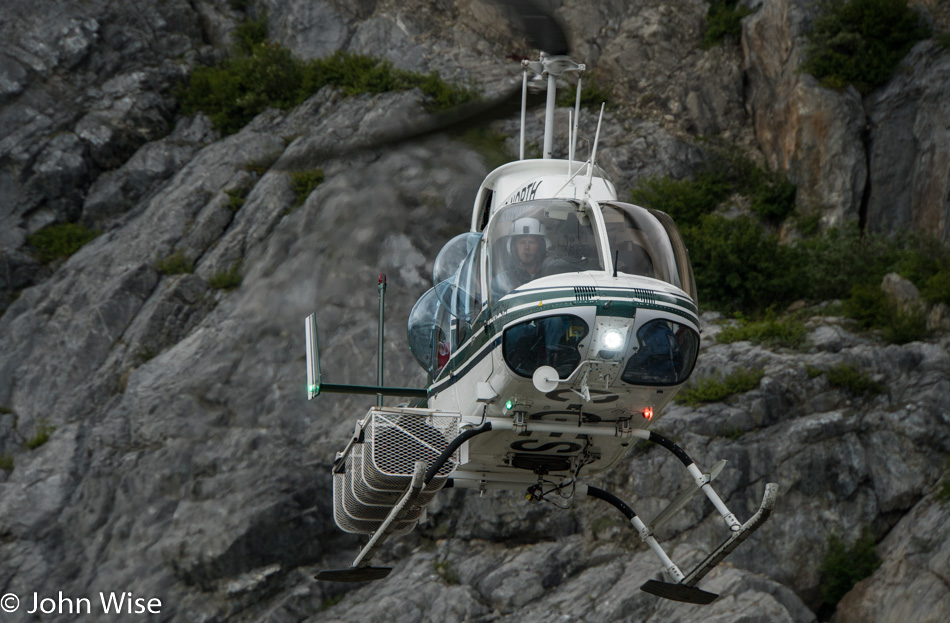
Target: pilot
[
  {"x": 528, "y": 259},
  {"x": 528, "y": 247}
]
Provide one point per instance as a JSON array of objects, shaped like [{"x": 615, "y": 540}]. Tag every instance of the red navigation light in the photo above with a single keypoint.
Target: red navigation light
[{"x": 648, "y": 413}]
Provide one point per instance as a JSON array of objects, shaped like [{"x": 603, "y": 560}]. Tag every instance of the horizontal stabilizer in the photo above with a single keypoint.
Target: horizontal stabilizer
[{"x": 354, "y": 574}]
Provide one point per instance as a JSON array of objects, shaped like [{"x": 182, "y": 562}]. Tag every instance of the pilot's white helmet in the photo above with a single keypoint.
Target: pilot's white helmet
[{"x": 527, "y": 227}]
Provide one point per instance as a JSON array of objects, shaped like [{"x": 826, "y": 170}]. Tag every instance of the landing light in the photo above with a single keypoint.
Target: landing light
[{"x": 613, "y": 339}]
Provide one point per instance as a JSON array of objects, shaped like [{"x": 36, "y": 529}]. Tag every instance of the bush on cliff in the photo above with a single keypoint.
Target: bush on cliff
[
  {"x": 860, "y": 42},
  {"x": 741, "y": 266},
  {"x": 262, "y": 74}
]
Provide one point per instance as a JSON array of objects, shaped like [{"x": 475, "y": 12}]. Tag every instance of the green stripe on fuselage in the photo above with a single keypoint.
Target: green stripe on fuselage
[{"x": 615, "y": 302}]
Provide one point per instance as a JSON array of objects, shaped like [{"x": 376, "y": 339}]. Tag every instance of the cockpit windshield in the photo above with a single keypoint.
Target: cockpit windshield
[
  {"x": 647, "y": 243},
  {"x": 535, "y": 239}
]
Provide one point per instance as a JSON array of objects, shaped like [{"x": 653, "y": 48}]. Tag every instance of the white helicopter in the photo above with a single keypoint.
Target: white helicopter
[{"x": 559, "y": 327}]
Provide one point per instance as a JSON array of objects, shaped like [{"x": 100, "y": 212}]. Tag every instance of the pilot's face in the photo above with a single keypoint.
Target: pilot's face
[{"x": 529, "y": 249}]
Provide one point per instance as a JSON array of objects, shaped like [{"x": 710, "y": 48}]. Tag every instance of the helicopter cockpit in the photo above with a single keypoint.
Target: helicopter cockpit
[
  {"x": 535, "y": 239},
  {"x": 541, "y": 238}
]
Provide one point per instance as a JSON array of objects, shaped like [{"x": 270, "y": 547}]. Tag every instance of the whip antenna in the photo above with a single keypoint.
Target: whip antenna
[{"x": 593, "y": 152}]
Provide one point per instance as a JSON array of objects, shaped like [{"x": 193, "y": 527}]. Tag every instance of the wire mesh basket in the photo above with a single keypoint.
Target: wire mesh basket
[
  {"x": 346, "y": 522},
  {"x": 396, "y": 439},
  {"x": 378, "y": 471}
]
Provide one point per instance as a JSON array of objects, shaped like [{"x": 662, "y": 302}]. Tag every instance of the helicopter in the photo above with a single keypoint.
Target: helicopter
[{"x": 558, "y": 328}]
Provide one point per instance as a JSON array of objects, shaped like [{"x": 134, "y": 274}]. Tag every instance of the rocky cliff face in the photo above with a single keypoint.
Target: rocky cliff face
[{"x": 183, "y": 461}]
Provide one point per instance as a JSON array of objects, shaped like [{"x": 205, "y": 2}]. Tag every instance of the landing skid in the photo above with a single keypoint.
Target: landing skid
[
  {"x": 679, "y": 592},
  {"x": 684, "y": 586}
]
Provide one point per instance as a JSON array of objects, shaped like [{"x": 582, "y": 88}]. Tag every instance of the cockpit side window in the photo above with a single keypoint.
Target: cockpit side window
[
  {"x": 647, "y": 245},
  {"x": 534, "y": 239}
]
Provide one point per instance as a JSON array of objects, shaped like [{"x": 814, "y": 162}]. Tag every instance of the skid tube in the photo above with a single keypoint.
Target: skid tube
[{"x": 684, "y": 586}]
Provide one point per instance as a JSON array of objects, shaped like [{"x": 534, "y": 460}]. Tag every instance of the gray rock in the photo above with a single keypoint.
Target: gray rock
[
  {"x": 909, "y": 155},
  {"x": 813, "y": 133},
  {"x": 185, "y": 462},
  {"x": 911, "y": 584},
  {"x": 901, "y": 290}
]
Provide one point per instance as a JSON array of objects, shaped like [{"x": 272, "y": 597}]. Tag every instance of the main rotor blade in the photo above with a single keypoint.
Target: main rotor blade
[
  {"x": 543, "y": 30},
  {"x": 457, "y": 119}
]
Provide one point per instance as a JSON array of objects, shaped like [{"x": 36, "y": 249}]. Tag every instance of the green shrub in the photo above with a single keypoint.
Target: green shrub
[
  {"x": 860, "y": 42},
  {"x": 262, "y": 164},
  {"x": 592, "y": 94},
  {"x": 773, "y": 198},
  {"x": 226, "y": 279},
  {"x": 446, "y": 570},
  {"x": 249, "y": 33},
  {"x": 263, "y": 74},
  {"x": 41, "y": 434},
  {"x": 236, "y": 197},
  {"x": 724, "y": 20},
  {"x": 844, "y": 566},
  {"x": 686, "y": 200},
  {"x": 175, "y": 264},
  {"x": 490, "y": 144},
  {"x": 146, "y": 353},
  {"x": 830, "y": 264},
  {"x": 6, "y": 462},
  {"x": 943, "y": 39},
  {"x": 739, "y": 266},
  {"x": 781, "y": 332},
  {"x": 303, "y": 183},
  {"x": 852, "y": 380},
  {"x": 713, "y": 389},
  {"x": 60, "y": 241},
  {"x": 873, "y": 309},
  {"x": 241, "y": 88},
  {"x": 937, "y": 287},
  {"x": 332, "y": 600},
  {"x": 943, "y": 494}
]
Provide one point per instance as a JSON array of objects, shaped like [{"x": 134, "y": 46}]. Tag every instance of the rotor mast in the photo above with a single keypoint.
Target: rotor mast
[{"x": 551, "y": 68}]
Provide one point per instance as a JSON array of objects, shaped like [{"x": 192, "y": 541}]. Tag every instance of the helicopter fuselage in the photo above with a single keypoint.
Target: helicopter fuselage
[{"x": 593, "y": 344}]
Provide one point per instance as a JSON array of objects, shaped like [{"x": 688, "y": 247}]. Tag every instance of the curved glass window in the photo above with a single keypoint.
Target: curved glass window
[
  {"x": 549, "y": 341},
  {"x": 429, "y": 332},
  {"x": 534, "y": 239},
  {"x": 647, "y": 243},
  {"x": 452, "y": 255},
  {"x": 461, "y": 294},
  {"x": 665, "y": 355}
]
